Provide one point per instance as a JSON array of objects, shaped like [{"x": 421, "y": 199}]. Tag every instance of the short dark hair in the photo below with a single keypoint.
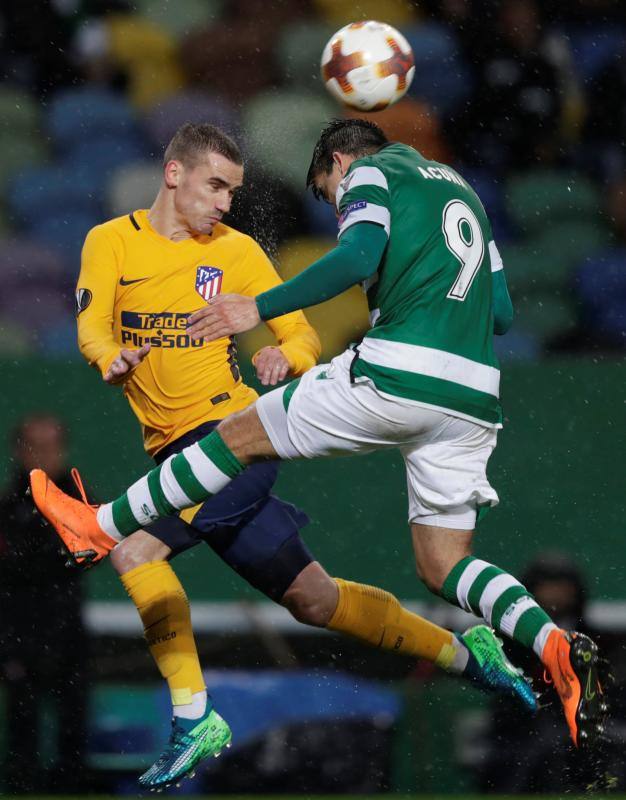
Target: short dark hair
[
  {"x": 354, "y": 137},
  {"x": 192, "y": 141}
]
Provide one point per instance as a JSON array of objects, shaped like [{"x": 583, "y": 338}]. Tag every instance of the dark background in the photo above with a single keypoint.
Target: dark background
[{"x": 527, "y": 101}]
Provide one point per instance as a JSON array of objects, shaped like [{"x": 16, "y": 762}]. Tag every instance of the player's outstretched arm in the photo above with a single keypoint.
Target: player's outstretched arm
[{"x": 355, "y": 259}]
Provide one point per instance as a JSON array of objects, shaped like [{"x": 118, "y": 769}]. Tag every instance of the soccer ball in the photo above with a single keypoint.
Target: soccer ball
[{"x": 367, "y": 65}]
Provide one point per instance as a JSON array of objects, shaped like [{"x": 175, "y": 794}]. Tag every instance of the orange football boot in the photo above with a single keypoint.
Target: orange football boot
[
  {"x": 74, "y": 520},
  {"x": 571, "y": 659}
]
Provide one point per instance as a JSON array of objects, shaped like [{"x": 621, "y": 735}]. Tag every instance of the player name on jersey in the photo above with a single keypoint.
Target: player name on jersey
[{"x": 430, "y": 303}]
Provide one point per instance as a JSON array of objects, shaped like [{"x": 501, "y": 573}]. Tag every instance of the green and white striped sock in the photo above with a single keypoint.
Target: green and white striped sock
[
  {"x": 181, "y": 481},
  {"x": 500, "y": 599}
]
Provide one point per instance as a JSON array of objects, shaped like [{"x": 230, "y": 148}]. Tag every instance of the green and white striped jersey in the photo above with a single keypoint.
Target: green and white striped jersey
[{"x": 430, "y": 302}]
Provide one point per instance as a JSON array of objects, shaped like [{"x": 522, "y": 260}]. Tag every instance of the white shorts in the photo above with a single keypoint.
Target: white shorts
[{"x": 445, "y": 456}]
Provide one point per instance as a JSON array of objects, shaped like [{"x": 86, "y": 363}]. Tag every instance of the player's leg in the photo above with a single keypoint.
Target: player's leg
[
  {"x": 447, "y": 484},
  {"x": 141, "y": 561},
  {"x": 322, "y": 414},
  {"x": 262, "y": 543},
  {"x": 374, "y": 617},
  {"x": 182, "y": 481},
  {"x": 197, "y": 729}
]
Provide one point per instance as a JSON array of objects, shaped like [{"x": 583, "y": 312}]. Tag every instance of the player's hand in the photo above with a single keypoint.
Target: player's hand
[
  {"x": 124, "y": 364},
  {"x": 271, "y": 366},
  {"x": 225, "y": 315}
]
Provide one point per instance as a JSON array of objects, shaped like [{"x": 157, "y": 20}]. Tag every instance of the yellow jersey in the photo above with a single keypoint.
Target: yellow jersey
[{"x": 136, "y": 286}]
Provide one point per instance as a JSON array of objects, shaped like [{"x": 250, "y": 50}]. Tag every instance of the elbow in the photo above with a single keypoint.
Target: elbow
[
  {"x": 316, "y": 348},
  {"x": 306, "y": 362},
  {"x": 502, "y": 324}
]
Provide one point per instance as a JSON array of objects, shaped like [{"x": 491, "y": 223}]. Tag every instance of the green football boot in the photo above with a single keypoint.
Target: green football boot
[
  {"x": 492, "y": 670},
  {"x": 190, "y": 742}
]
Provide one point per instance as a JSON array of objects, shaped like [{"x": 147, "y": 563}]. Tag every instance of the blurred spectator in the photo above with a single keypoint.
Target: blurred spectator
[
  {"x": 534, "y": 754},
  {"x": 235, "y": 55},
  {"x": 523, "y": 78},
  {"x": 43, "y": 645}
]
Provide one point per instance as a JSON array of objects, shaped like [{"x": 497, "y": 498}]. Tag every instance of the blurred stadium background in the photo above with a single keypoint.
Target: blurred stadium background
[{"x": 528, "y": 101}]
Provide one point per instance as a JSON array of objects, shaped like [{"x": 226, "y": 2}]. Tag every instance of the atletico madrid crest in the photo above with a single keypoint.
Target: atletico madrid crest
[{"x": 208, "y": 281}]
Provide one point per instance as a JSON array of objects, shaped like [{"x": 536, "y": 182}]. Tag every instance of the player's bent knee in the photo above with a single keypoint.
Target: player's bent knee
[
  {"x": 245, "y": 436},
  {"x": 306, "y": 610},
  {"x": 437, "y": 551},
  {"x": 432, "y": 580},
  {"x": 137, "y": 549},
  {"x": 312, "y": 597},
  {"x": 431, "y": 572}
]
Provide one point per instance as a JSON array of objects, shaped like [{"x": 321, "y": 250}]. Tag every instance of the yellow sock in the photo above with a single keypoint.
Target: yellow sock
[
  {"x": 164, "y": 610},
  {"x": 376, "y": 617}
]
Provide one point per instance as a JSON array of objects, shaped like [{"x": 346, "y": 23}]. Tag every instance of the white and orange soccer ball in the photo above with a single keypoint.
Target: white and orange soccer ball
[{"x": 368, "y": 65}]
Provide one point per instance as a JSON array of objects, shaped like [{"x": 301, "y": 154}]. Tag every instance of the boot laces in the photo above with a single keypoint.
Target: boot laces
[{"x": 79, "y": 485}]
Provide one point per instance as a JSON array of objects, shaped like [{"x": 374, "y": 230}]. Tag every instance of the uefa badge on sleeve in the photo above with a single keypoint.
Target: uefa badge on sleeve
[{"x": 208, "y": 282}]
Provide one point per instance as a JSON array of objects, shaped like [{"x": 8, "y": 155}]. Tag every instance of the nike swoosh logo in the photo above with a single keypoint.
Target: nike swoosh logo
[
  {"x": 124, "y": 282},
  {"x": 589, "y": 695}
]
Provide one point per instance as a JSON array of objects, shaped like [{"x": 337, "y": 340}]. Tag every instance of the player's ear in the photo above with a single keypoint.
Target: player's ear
[
  {"x": 337, "y": 160},
  {"x": 341, "y": 161},
  {"x": 172, "y": 173}
]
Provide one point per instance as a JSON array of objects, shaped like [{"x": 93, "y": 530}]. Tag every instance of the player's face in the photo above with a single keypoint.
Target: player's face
[
  {"x": 328, "y": 184},
  {"x": 205, "y": 192}
]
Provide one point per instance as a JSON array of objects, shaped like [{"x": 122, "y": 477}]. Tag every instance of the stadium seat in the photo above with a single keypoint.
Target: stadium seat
[
  {"x": 102, "y": 156},
  {"x": 545, "y": 261},
  {"x": 442, "y": 78},
  {"x": 489, "y": 187},
  {"x": 234, "y": 57},
  {"x": 21, "y": 142},
  {"x": 600, "y": 286},
  {"x": 540, "y": 198},
  {"x": 20, "y": 151},
  {"x": 190, "y": 105},
  {"x": 87, "y": 113},
  {"x": 180, "y": 17},
  {"x": 279, "y": 139},
  {"x": 36, "y": 308},
  {"x": 133, "y": 186},
  {"x": 299, "y": 50},
  {"x": 19, "y": 111},
  {"x": 64, "y": 233},
  {"x": 36, "y": 192},
  {"x": 147, "y": 54},
  {"x": 411, "y": 122},
  {"x": 23, "y": 261}
]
